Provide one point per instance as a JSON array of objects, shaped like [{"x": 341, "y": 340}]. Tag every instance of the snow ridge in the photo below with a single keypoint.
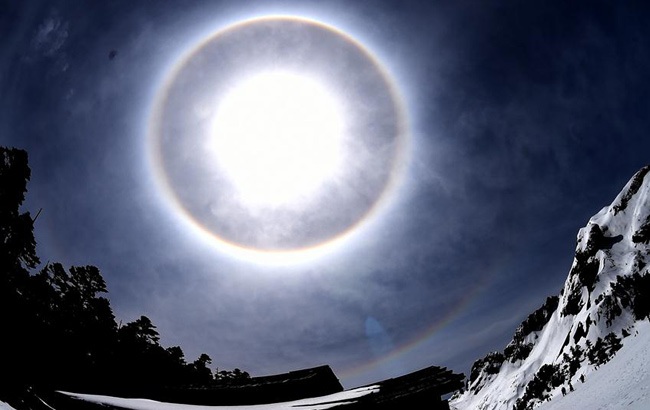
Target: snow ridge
[{"x": 562, "y": 343}]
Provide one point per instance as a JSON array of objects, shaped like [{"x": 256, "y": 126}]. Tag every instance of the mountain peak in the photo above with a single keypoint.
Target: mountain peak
[{"x": 571, "y": 335}]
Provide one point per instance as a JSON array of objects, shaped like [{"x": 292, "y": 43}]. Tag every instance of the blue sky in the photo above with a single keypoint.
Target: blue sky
[{"x": 525, "y": 119}]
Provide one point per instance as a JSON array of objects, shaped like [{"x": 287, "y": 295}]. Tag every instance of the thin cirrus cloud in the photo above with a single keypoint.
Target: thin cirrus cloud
[{"x": 520, "y": 131}]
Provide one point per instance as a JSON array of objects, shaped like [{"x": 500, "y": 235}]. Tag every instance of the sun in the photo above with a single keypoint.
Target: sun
[{"x": 279, "y": 137}]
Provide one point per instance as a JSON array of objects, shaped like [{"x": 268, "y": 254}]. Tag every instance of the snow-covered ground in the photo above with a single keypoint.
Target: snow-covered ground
[
  {"x": 622, "y": 383},
  {"x": 316, "y": 403},
  {"x": 5, "y": 406}
]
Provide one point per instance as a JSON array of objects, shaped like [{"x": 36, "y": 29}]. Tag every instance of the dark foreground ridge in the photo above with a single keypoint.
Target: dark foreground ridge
[
  {"x": 418, "y": 390},
  {"x": 295, "y": 385},
  {"x": 422, "y": 389}
]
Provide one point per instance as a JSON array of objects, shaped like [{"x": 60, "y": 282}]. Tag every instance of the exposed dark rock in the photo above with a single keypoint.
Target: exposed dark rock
[
  {"x": 599, "y": 298},
  {"x": 585, "y": 269},
  {"x": 594, "y": 242},
  {"x": 579, "y": 333},
  {"x": 639, "y": 262},
  {"x": 537, "y": 390},
  {"x": 642, "y": 235},
  {"x": 627, "y": 292},
  {"x": 490, "y": 364},
  {"x": 537, "y": 320},
  {"x": 637, "y": 181},
  {"x": 574, "y": 303},
  {"x": 610, "y": 309},
  {"x": 574, "y": 359},
  {"x": 517, "y": 351},
  {"x": 604, "y": 349}
]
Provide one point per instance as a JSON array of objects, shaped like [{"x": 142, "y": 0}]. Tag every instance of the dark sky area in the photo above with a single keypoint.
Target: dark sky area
[{"x": 526, "y": 118}]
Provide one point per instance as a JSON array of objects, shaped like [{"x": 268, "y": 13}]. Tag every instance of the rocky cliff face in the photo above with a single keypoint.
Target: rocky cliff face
[{"x": 560, "y": 344}]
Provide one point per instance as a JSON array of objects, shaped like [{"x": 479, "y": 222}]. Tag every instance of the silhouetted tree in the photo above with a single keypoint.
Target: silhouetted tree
[
  {"x": 59, "y": 331},
  {"x": 17, "y": 243},
  {"x": 141, "y": 331},
  {"x": 235, "y": 376},
  {"x": 201, "y": 374},
  {"x": 17, "y": 256}
]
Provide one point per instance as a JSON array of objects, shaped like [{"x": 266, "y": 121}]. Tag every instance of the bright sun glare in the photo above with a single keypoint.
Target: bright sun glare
[{"x": 278, "y": 136}]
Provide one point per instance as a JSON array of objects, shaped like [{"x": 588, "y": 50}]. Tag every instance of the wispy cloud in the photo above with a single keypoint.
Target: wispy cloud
[{"x": 51, "y": 35}]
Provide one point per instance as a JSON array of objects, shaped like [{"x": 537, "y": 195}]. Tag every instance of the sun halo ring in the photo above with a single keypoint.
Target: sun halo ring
[{"x": 266, "y": 255}]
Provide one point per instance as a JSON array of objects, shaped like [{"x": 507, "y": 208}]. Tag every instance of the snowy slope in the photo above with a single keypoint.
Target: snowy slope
[
  {"x": 317, "y": 403},
  {"x": 623, "y": 383},
  {"x": 564, "y": 342}
]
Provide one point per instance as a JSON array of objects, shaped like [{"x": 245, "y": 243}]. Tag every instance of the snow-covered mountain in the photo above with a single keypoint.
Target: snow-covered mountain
[{"x": 563, "y": 343}]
